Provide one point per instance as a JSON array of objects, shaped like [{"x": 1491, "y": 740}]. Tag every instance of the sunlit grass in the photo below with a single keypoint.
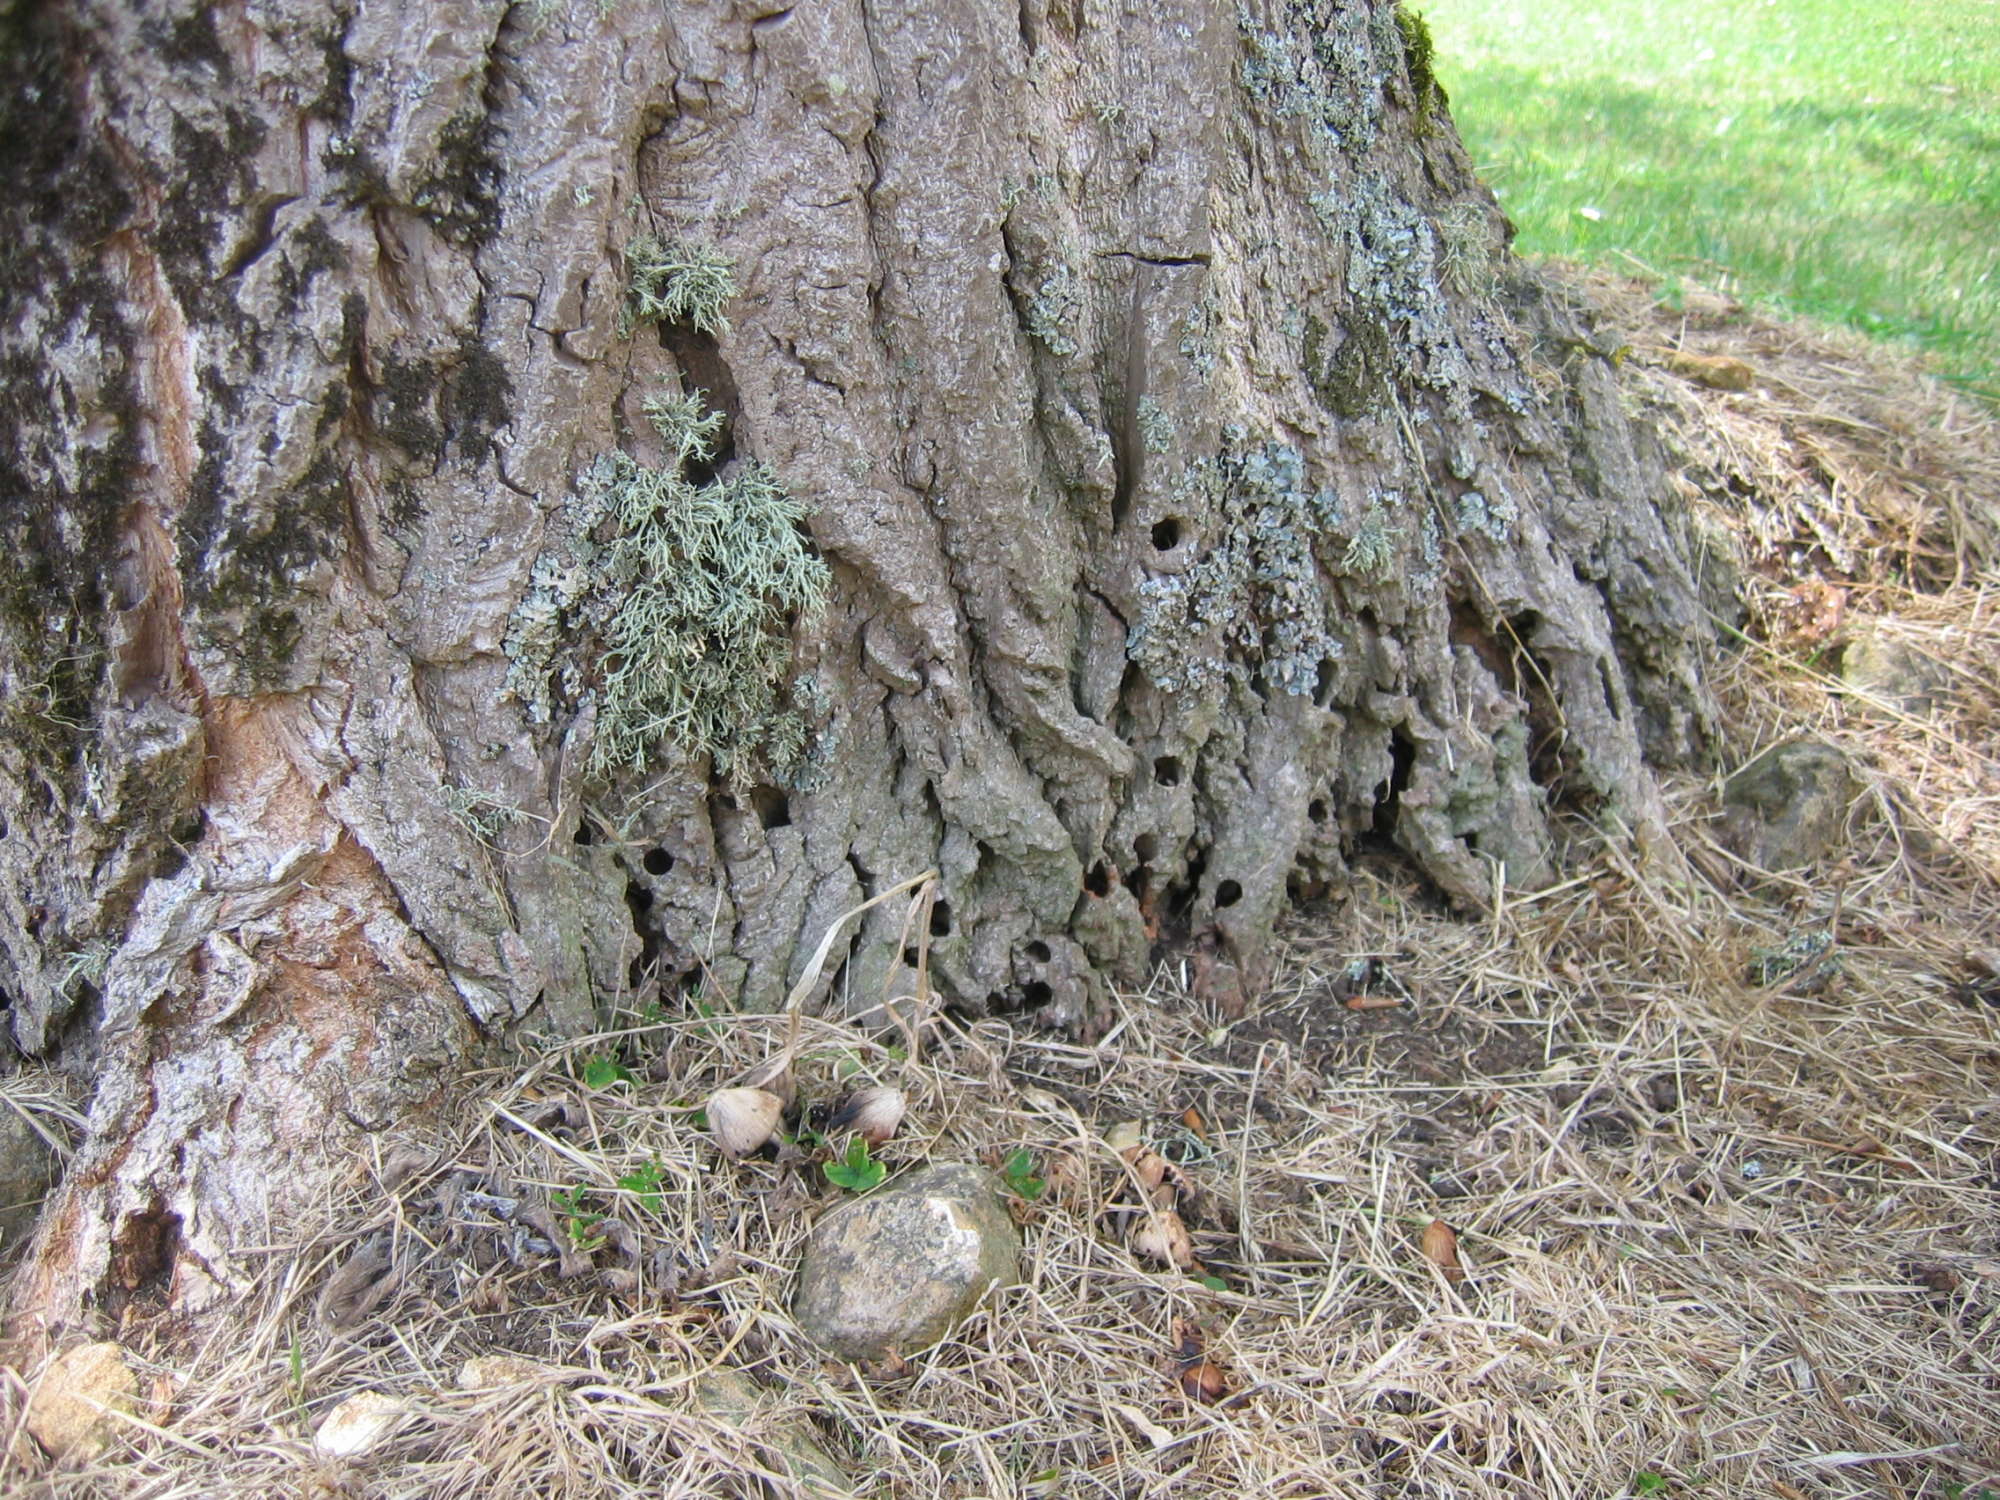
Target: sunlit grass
[{"x": 1824, "y": 157}]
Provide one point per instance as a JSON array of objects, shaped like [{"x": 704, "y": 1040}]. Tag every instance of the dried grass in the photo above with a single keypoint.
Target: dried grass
[{"x": 1720, "y": 1235}]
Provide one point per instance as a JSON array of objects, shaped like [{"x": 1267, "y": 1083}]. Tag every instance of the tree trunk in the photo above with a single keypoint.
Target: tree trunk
[{"x": 1195, "y": 500}]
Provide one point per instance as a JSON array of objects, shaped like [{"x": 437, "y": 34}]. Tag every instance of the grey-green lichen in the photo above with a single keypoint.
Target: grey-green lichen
[
  {"x": 1156, "y": 427},
  {"x": 1198, "y": 327},
  {"x": 679, "y": 281},
  {"x": 688, "y": 591},
  {"x": 1255, "y": 597},
  {"x": 1393, "y": 275},
  {"x": 664, "y": 600},
  {"x": 1055, "y": 309},
  {"x": 1321, "y": 68},
  {"x": 1492, "y": 516}
]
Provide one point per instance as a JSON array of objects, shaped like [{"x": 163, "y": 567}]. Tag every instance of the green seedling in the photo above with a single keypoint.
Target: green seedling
[
  {"x": 857, "y": 1171},
  {"x": 644, "y": 1183},
  {"x": 579, "y": 1223},
  {"x": 603, "y": 1070},
  {"x": 1018, "y": 1172}
]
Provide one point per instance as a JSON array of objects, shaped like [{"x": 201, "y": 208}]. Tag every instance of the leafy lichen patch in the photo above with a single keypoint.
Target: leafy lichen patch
[{"x": 1255, "y": 597}]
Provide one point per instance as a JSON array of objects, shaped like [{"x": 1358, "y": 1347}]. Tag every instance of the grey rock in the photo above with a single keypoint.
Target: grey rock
[
  {"x": 28, "y": 1168},
  {"x": 733, "y": 1399},
  {"x": 1889, "y": 674},
  {"x": 898, "y": 1269},
  {"x": 1788, "y": 806}
]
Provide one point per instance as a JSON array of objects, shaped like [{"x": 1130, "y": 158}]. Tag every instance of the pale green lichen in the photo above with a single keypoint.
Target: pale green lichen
[
  {"x": 1323, "y": 69},
  {"x": 664, "y": 602},
  {"x": 679, "y": 281},
  {"x": 1198, "y": 335},
  {"x": 1491, "y": 516},
  {"x": 705, "y": 580},
  {"x": 479, "y": 812},
  {"x": 1371, "y": 551}
]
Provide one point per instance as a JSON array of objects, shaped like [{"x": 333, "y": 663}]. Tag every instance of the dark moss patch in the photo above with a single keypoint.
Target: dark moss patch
[
  {"x": 246, "y": 565},
  {"x": 214, "y": 180},
  {"x": 460, "y": 196},
  {"x": 475, "y": 401},
  {"x": 405, "y": 407},
  {"x": 332, "y": 408},
  {"x": 406, "y": 506},
  {"x": 67, "y": 451},
  {"x": 190, "y": 40},
  {"x": 309, "y": 251},
  {"x": 335, "y": 100},
  {"x": 215, "y": 385},
  {"x": 63, "y": 187}
]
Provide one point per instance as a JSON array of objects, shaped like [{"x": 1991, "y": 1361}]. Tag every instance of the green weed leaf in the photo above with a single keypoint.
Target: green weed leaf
[{"x": 857, "y": 1171}]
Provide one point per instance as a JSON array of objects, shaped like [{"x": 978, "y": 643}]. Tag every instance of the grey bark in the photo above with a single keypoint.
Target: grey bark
[{"x": 1208, "y": 501}]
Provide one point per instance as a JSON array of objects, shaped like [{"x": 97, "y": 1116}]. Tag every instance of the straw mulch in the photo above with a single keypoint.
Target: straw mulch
[{"x": 1668, "y": 1180}]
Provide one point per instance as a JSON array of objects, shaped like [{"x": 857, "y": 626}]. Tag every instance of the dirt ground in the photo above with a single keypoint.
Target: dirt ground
[{"x": 1677, "y": 1178}]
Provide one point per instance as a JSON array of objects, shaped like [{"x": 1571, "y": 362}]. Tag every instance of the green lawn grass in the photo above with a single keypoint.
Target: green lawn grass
[{"x": 1836, "y": 158}]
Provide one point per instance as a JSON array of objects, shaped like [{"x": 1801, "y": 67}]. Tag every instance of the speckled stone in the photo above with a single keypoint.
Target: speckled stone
[
  {"x": 1789, "y": 806},
  {"x": 898, "y": 1269}
]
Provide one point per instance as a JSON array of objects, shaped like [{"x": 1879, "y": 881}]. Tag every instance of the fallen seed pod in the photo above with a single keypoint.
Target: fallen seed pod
[
  {"x": 774, "y": 1077},
  {"x": 873, "y": 1114},
  {"x": 741, "y": 1120}
]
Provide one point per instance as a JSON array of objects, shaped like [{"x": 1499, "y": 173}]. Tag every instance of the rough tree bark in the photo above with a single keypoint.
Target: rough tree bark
[{"x": 1205, "y": 498}]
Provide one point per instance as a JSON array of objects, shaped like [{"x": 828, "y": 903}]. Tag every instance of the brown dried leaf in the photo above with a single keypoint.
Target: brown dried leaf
[
  {"x": 1161, "y": 1236},
  {"x": 1440, "y": 1247},
  {"x": 1204, "y": 1381}
]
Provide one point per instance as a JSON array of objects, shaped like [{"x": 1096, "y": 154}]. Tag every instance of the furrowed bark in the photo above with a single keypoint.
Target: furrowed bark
[{"x": 1207, "y": 500}]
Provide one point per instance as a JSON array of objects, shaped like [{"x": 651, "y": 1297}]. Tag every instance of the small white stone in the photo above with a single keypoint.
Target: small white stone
[{"x": 357, "y": 1424}]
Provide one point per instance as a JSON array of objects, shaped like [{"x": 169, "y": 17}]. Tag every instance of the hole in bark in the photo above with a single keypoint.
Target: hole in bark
[
  {"x": 1166, "y": 534},
  {"x": 909, "y": 958},
  {"x": 773, "y": 811},
  {"x": 1144, "y": 847},
  {"x": 1035, "y": 994},
  {"x": 726, "y": 801},
  {"x": 1328, "y": 679},
  {"x": 1389, "y": 800},
  {"x": 1181, "y": 897},
  {"x": 3, "y": 827},
  {"x": 1316, "y": 810},
  {"x": 657, "y": 861},
  {"x": 142, "y": 1257},
  {"x": 639, "y": 901},
  {"x": 1098, "y": 881},
  {"x": 583, "y": 837},
  {"x": 1167, "y": 770},
  {"x": 941, "y": 918},
  {"x": 1038, "y": 951},
  {"x": 1228, "y": 893}
]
